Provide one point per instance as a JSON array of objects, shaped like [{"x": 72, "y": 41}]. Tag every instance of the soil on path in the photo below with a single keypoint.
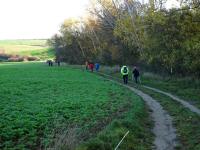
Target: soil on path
[{"x": 165, "y": 133}]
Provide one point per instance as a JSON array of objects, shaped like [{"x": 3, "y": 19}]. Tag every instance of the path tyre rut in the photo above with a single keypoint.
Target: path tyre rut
[
  {"x": 184, "y": 103},
  {"x": 165, "y": 133}
]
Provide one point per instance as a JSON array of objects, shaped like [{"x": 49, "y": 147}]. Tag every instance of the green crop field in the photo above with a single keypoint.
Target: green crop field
[
  {"x": 39, "y": 103},
  {"x": 36, "y": 48}
]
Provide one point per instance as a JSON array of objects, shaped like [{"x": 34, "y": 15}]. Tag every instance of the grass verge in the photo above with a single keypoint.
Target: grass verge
[
  {"x": 186, "y": 122},
  {"x": 186, "y": 88},
  {"x": 136, "y": 121}
]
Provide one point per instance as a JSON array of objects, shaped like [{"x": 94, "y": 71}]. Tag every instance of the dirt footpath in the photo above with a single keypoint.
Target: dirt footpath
[{"x": 165, "y": 133}]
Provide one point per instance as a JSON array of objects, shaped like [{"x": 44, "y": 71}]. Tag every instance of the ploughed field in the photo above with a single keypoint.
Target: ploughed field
[{"x": 39, "y": 105}]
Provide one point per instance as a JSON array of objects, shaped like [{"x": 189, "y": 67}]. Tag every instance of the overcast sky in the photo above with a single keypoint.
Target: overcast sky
[
  {"x": 28, "y": 19},
  {"x": 21, "y": 19}
]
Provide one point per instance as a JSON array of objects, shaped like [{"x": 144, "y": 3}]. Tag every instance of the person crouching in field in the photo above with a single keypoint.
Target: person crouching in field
[
  {"x": 124, "y": 72},
  {"x": 135, "y": 74}
]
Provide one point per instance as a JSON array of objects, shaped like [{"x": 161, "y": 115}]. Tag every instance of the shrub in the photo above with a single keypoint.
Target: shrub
[
  {"x": 15, "y": 59},
  {"x": 31, "y": 58}
]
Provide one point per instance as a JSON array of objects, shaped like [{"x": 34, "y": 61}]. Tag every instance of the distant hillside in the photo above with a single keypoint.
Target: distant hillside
[{"x": 25, "y": 48}]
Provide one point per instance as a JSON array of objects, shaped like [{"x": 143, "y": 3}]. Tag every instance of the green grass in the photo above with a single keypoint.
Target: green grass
[
  {"x": 43, "y": 54},
  {"x": 185, "y": 88},
  {"x": 37, "y": 100},
  {"x": 40, "y": 42},
  {"x": 186, "y": 122},
  {"x": 36, "y": 48},
  {"x": 188, "y": 89},
  {"x": 135, "y": 121}
]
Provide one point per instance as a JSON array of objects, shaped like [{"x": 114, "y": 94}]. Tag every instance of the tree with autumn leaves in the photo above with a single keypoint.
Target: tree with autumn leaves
[{"x": 131, "y": 32}]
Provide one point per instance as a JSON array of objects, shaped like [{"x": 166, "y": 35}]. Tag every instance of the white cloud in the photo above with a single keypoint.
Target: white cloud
[{"x": 173, "y": 4}]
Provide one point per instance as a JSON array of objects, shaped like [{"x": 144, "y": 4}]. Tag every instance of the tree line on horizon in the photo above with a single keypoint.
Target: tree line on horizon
[{"x": 130, "y": 32}]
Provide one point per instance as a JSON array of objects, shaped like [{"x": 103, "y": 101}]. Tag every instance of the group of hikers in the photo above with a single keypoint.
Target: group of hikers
[
  {"x": 50, "y": 62},
  {"x": 124, "y": 71},
  {"x": 135, "y": 74},
  {"x": 91, "y": 66}
]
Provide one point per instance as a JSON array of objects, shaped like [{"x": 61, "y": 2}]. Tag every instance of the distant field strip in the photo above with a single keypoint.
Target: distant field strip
[
  {"x": 16, "y": 46},
  {"x": 37, "y": 48}
]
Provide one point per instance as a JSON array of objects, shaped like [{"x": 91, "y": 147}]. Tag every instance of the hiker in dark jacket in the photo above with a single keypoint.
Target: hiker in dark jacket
[
  {"x": 50, "y": 62},
  {"x": 57, "y": 61},
  {"x": 136, "y": 74}
]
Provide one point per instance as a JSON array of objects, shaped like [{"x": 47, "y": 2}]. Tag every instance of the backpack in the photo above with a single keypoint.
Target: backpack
[{"x": 125, "y": 70}]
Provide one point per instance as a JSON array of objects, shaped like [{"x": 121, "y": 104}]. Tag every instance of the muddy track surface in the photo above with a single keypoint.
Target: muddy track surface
[
  {"x": 165, "y": 133},
  {"x": 184, "y": 103},
  {"x": 163, "y": 129}
]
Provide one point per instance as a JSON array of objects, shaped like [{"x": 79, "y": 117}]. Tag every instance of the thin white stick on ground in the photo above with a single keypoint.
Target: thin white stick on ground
[{"x": 121, "y": 140}]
